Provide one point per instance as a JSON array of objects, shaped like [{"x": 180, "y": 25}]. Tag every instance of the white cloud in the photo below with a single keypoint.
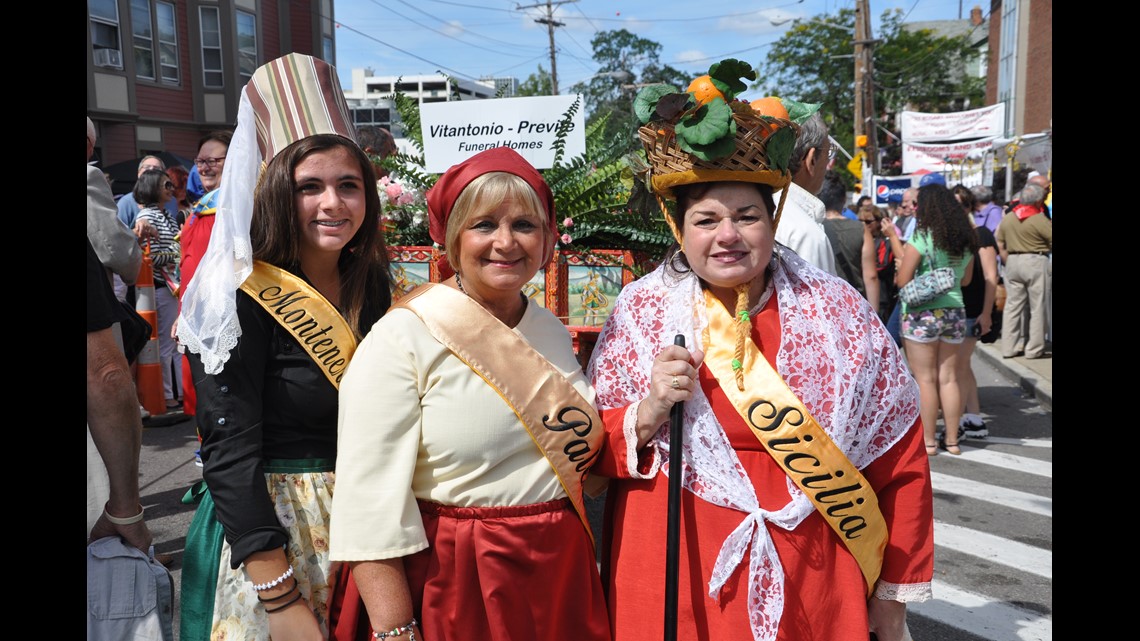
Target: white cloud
[
  {"x": 692, "y": 56},
  {"x": 453, "y": 28}
]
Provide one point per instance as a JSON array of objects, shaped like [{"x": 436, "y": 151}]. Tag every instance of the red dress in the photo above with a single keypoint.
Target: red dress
[
  {"x": 825, "y": 593},
  {"x": 195, "y": 238}
]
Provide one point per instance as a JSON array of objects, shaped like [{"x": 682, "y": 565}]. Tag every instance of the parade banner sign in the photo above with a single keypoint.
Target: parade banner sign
[
  {"x": 943, "y": 156},
  {"x": 987, "y": 122},
  {"x": 455, "y": 131}
]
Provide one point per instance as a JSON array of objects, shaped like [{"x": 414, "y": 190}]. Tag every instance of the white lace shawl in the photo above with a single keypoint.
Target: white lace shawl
[
  {"x": 834, "y": 354},
  {"x": 208, "y": 324}
]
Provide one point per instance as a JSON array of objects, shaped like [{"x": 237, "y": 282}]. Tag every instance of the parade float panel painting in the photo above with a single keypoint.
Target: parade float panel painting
[
  {"x": 536, "y": 288},
  {"x": 593, "y": 282},
  {"x": 411, "y": 267}
]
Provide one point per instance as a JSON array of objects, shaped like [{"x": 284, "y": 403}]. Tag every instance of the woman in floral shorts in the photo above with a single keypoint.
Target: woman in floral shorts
[{"x": 932, "y": 331}]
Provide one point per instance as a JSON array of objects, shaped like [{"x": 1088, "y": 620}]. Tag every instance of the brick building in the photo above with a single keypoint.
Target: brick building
[
  {"x": 1020, "y": 68},
  {"x": 162, "y": 73}
]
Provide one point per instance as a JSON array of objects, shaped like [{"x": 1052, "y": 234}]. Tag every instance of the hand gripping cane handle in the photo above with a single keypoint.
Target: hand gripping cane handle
[{"x": 673, "y": 533}]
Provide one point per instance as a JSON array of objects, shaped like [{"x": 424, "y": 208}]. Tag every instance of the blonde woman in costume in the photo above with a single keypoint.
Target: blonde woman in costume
[{"x": 467, "y": 430}]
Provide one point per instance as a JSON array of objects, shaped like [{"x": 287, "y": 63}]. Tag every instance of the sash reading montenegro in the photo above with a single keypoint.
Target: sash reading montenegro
[{"x": 318, "y": 327}]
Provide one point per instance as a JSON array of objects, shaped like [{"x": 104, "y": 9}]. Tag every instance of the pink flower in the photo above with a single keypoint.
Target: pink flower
[
  {"x": 384, "y": 181},
  {"x": 569, "y": 222},
  {"x": 393, "y": 190},
  {"x": 566, "y": 239}
]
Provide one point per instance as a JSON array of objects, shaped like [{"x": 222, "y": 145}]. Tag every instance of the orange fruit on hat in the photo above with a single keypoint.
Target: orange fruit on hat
[
  {"x": 704, "y": 90},
  {"x": 770, "y": 106}
]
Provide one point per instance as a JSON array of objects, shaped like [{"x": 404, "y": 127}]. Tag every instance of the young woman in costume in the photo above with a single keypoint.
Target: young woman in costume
[{"x": 268, "y": 356}]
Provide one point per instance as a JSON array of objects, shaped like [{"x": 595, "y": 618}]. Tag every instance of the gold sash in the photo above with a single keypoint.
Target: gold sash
[
  {"x": 564, "y": 426},
  {"x": 313, "y": 321},
  {"x": 798, "y": 444}
]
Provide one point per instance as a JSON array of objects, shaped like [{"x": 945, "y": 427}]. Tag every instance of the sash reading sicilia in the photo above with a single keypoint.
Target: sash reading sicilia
[
  {"x": 798, "y": 444},
  {"x": 318, "y": 327},
  {"x": 563, "y": 424}
]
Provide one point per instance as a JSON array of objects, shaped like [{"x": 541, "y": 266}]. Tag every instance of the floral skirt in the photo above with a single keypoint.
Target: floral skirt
[{"x": 220, "y": 604}]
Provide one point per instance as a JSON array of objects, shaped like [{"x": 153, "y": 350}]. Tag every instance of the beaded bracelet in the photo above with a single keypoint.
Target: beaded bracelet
[
  {"x": 261, "y": 587},
  {"x": 284, "y": 605},
  {"x": 130, "y": 520},
  {"x": 282, "y": 595},
  {"x": 399, "y": 631}
]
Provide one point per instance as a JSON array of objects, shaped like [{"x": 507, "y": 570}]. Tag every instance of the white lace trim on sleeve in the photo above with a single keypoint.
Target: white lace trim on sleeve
[
  {"x": 629, "y": 430},
  {"x": 903, "y": 592}
]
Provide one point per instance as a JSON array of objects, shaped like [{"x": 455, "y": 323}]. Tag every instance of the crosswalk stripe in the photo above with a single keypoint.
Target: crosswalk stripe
[
  {"x": 1046, "y": 443},
  {"x": 982, "y": 616},
  {"x": 994, "y": 549},
  {"x": 1008, "y": 461},
  {"x": 1014, "y": 499}
]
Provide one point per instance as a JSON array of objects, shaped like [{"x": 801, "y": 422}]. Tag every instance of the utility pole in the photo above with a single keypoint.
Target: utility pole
[
  {"x": 865, "y": 120},
  {"x": 550, "y": 23}
]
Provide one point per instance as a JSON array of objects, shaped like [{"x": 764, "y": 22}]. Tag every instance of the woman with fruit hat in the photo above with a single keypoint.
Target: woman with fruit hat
[{"x": 806, "y": 508}]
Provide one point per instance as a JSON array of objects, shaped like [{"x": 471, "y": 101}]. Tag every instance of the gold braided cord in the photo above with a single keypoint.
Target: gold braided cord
[{"x": 743, "y": 327}]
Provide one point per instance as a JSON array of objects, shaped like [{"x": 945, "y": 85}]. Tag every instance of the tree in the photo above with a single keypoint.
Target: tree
[
  {"x": 537, "y": 84},
  {"x": 622, "y": 51},
  {"x": 913, "y": 70}
]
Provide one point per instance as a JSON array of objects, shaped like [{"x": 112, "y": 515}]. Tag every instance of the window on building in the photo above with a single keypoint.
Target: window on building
[
  {"x": 364, "y": 116},
  {"x": 142, "y": 39},
  {"x": 1007, "y": 66},
  {"x": 154, "y": 33},
  {"x": 327, "y": 50},
  {"x": 105, "y": 44},
  {"x": 247, "y": 45},
  {"x": 166, "y": 27},
  {"x": 212, "y": 75}
]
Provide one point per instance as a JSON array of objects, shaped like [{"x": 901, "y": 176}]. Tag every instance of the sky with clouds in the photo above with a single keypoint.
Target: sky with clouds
[{"x": 470, "y": 39}]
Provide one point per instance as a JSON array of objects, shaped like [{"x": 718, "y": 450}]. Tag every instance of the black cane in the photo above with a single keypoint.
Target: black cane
[{"x": 673, "y": 527}]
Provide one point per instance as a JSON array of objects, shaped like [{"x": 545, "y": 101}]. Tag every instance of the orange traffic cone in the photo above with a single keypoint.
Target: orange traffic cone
[{"x": 148, "y": 376}]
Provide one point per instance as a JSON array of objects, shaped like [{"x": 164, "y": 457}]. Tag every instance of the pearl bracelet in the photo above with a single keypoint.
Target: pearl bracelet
[
  {"x": 130, "y": 520},
  {"x": 399, "y": 631},
  {"x": 261, "y": 587}
]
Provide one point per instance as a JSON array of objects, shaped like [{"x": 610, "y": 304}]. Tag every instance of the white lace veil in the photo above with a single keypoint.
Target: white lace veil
[{"x": 208, "y": 325}]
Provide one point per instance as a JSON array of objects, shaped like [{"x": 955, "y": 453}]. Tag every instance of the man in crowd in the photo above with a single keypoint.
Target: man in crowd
[
  {"x": 801, "y": 222},
  {"x": 988, "y": 214},
  {"x": 1025, "y": 240},
  {"x": 129, "y": 209},
  {"x": 114, "y": 426}
]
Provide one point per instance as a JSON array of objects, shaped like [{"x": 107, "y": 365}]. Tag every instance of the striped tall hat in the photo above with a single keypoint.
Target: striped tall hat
[
  {"x": 294, "y": 97},
  {"x": 288, "y": 99}
]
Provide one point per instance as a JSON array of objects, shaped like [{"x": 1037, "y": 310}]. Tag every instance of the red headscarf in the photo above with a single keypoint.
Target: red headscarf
[{"x": 442, "y": 196}]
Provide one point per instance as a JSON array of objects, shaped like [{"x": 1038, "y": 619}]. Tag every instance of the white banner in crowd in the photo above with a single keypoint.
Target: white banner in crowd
[
  {"x": 959, "y": 125},
  {"x": 941, "y": 157},
  {"x": 455, "y": 131}
]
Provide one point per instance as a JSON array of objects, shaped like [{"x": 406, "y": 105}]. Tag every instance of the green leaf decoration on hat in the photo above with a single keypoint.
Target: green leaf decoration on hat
[
  {"x": 645, "y": 104},
  {"x": 798, "y": 112},
  {"x": 727, "y": 73},
  {"x": 709, "y": 123},
  {"x": 779, "y": 148}
]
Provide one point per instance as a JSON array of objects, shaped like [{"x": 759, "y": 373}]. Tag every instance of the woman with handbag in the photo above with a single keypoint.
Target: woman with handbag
[{"x": 939, "y": 254}]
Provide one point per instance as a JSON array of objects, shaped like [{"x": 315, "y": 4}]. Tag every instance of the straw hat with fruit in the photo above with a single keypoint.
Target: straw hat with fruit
[{"x": 707, "y": 134}]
